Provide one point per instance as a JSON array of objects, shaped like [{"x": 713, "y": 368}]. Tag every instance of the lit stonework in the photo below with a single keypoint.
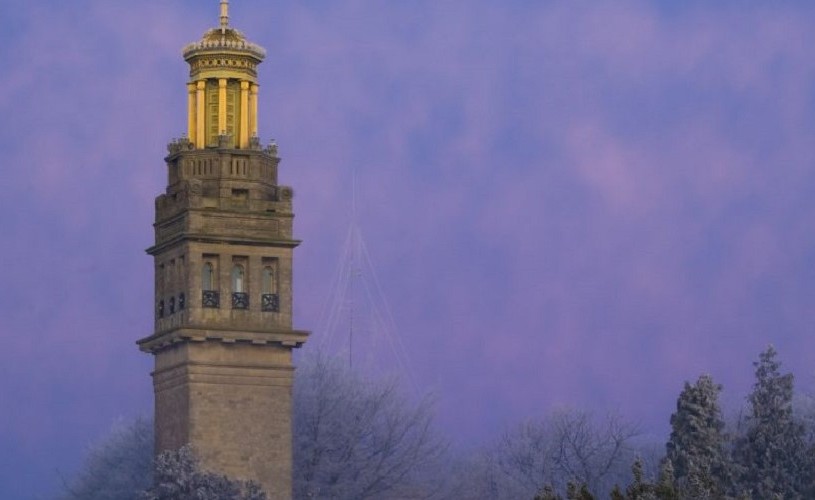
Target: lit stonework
[
  {"x": 223, "y": 86},
  {"x": 223, "y": 334}
]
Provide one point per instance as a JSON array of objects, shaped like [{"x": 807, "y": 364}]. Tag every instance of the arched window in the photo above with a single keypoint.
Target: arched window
[
  {"x": 238, "y": 279},
  {"x": 207, "y": 277},
  {"x": 270, "y": 301},
  {"x": 269, "y": 280},
  {"x": 240, "y": 299},
  {"x": 210, "y": 296}
]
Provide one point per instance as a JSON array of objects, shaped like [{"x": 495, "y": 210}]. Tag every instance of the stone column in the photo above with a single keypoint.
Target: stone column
[
  {"x": 244, "y": 128},
  {"x": 200, "y": 109},
  {"x": 191, "y": 121},
  {"x": 253, "y": 109}
]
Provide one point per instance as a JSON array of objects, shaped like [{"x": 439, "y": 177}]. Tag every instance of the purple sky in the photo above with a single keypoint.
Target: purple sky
[{"x": 576, "y": 204}]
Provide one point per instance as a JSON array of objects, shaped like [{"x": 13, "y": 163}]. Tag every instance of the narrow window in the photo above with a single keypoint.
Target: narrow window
[
  {"x": 161, "y": 279},
  {"x": 269, "y": 280},
  {"x": 233, "y": 109},
  {"x": 238, "y": 279},
  {"x": 269, "y": 299},
  {"x": 182, "y": 272},
  {"x": 240, "y": 299},
  {"x": 207, "y": 276},
  {"x": 209, "y": 286},
  {"x": 212, "y": 92}
]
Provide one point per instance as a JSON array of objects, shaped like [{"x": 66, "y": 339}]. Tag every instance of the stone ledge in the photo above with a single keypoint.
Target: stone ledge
[
  {"x": 285, "y": 338},
  {"x": 218, "y": 239}
]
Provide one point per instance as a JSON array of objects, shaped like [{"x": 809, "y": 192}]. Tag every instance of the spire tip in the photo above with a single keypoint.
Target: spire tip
[{"x": 224, "y": 14}]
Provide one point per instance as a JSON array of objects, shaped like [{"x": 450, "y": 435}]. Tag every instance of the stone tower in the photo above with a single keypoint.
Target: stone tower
[{"x": 223, "y": 248}]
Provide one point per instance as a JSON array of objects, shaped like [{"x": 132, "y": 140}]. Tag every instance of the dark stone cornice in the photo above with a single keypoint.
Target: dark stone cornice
[{"x": 164, "y": 340}]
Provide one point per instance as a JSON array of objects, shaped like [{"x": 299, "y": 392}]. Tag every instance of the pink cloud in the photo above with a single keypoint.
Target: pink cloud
[{"x": 567, "y": 204}]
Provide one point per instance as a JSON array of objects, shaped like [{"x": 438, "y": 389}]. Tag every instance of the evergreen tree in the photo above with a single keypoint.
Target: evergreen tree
[
  {"x": 575, "y": 491},
  {"x": 696, "y": 448},
  {"x": 640, "y": 488},
  {"x": 666, "y": 486},
  {"x": 771, "y": 453},
  {"x": 548, "y": 493}
]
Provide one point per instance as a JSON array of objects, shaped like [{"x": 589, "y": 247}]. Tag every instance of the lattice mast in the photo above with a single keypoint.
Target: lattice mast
[{"x": 357, "y": 322}]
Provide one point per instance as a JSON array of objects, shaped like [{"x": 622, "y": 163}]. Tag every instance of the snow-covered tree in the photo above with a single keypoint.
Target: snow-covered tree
[
  {"x": 354, "y": 438},
  {"x": 119, "y": 466},
  {"x": 575, "y": 491},
  {"x": 771, "y": 454},
  {"x": 569, "y": 446},
  {"x": 122, "y": 467},
  {"x": 665, "y": 488},
  {"x": 179, "y": 476},
  {"x": 696, "y": 448},
  {"x": 548, "y": 493},
  {"x": 640, "y": 488}
]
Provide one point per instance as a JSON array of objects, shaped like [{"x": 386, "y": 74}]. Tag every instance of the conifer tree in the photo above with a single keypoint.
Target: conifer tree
[
  {"x": 771, "y": 453},
  {"x": 548, "y": 493},
  {"x": 696, "y": 448},
  {"x": 575, "y": 491},
  {"x": 640, "y": 488},
  {"x": 665, "y": 488}
]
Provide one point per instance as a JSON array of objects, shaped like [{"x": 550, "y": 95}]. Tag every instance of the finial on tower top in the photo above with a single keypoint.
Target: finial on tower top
[{"x": 224, "y": 14}]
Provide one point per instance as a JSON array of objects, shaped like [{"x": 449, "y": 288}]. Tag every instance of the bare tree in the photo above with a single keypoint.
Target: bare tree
[
  {"x": 358, "y": 439},
  {"x": 119, "y": 466},
  {"x": 353, "y": 439},
  {"x": 568, "y": 446}
]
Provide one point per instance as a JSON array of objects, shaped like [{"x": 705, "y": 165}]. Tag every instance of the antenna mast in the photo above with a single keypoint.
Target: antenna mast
[{"x": 354, "y": 271}]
